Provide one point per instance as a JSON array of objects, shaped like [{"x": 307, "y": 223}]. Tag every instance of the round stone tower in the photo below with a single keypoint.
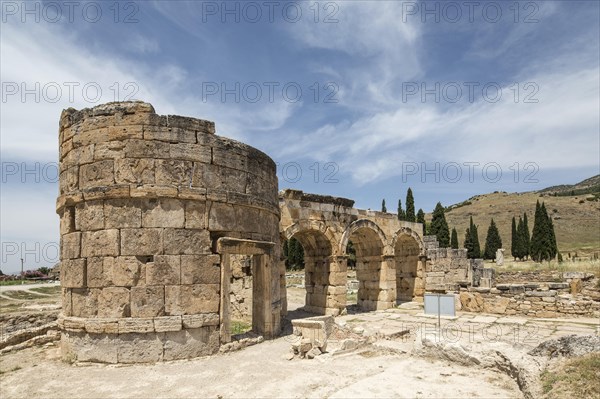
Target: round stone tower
[{"x": 150, "y": 208}]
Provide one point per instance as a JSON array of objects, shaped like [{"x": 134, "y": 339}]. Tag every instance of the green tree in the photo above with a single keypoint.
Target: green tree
[
  {"x": 543, "y": 239},
  {"x": 421, "y": 219},
  {"x": 410, "y": 206},
  {"x": 44, "y": 270},
  {"x": 472, "y": 241},
  {"x": 468, "y": 242},
  {"x": 454, "y": 239},
  {"x": 520, "y": 251},
  {"x": 295, "y": 254},
  {"x": 493, "y": 242},
  {"x": 514, "y": 236},
  {"x": 401, "y": 214},
  {"x": 351, "y": 251},
  {"x": 383, "y": 208},
  {"x": 439, "y": 226},
  {"x": 526, "y": 238}
]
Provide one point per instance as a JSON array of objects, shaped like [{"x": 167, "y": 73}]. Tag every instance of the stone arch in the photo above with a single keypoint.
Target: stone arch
[
  {"x": 363, "y": 224},
  {"x": 318, "y": 243},
  {"x": 370, "y": 244},
  {"x": 408, "y": 259}
]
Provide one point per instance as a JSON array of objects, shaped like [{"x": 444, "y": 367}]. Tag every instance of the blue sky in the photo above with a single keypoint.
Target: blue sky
[{"x": 385, "y": 93}]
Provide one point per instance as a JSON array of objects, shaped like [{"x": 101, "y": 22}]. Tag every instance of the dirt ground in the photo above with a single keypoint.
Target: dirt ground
[
  {"x": 257, "y": 371},
  {"x": 386, "y": 368}
]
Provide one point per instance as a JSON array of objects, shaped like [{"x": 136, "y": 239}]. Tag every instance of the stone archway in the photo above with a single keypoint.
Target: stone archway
[
  {"x": 408, "y": 259},
  {"x": 320, "y": 287},
  {"x": 372, "y": 269}
]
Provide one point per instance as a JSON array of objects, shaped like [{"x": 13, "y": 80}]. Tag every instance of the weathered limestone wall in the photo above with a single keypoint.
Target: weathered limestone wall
[
  {"x": 143, "y": 199},
  {"x": 576, "y": 294}
]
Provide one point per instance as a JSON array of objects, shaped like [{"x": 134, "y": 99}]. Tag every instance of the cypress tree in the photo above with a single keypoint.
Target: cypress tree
[
  {"x": 439, "y": 226},
  {"x": 421, "y": 219},
  {"x": 520, "y": 241},
  {"x": 526, "y": 238},
  {"x": 468, "y": 244},
  {"x": 401, "y": 215},
  {"x": 410, "y": 206},
  {"x": 473, "y": 250},
  {"x": 537, "y": 235},
  {"x": 513, "y": 238},
  {"x": 454, "y": 239},
  {"x": 543, "y": 239},
  {"x": 493, "y": 242},
  {"x": 553, "y": 249},
  {"x": 383, "y": 208}
]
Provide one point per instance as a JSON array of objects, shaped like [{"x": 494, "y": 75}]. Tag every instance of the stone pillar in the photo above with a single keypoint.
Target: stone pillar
[
  {"x": 387, "y": 282},
  {"x": 142, "y": 198},
  {"x": 338, "y": 277}
]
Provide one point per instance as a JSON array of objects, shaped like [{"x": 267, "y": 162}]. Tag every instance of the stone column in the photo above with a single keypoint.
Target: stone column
[
  {"x": 387, "y": 282},
  {"x": 338, "y": 276}
]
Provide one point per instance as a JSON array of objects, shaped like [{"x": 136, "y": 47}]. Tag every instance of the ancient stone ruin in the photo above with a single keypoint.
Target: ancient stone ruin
[
  {"x": 163, "y": 222},
  {"x": 151, "y": 208}
]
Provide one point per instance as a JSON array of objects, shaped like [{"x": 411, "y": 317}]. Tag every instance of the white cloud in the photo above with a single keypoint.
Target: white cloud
[
  {"x": 369, "y": 46},
  {"x": 561, "y": 131}
]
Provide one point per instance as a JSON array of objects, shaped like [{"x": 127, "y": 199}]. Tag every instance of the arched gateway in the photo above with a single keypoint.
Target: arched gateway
[{"x": 390, "y": 254}]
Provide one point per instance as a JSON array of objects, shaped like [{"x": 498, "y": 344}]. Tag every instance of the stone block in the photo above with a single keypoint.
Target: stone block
[
  {"x": 100, "y": 243},
  {"x": 99, "y": 271},
  {"x": 84, "y": 302},
  {"x": 69, "y": 180},
  {"x": 89, "y": 215},
  {"x": 67, "y": 307},
  {"x": 140, "y": 348},
  {"x": 496, "y": 305},
  {"x": 109, "y": 150},
  {"x": 195, "y": 215},
  {"x": 114, "y": 302},
  {"x": 191, "y": 152},
  {"x": 167, "y": 323},
  {"x": 191, "y": 343},
  {"x": 165, "y": 270},
  {"x": 122, "y": 213},
  {"x": 191, "y": 299},
  {"x": 221, "y": 217},
  {"x": 152, "y": 191},
  {"x": 128, "y": 271},
  {"x": 163, "y": 212},
  {"x": 200, "y": 269},
  {"x": 89, "y": 348},
  {"x": 73, "y": 273},
  {"x": 125, "y": 132},
  {"x": 147, "y": 301},
  {"x": 200, "y": 320},
  {"x": 70, "y": 245},
  {"x": 146, "y": 149},
  {"x": 100, "y": 173},
  {"x": 186, "y": 242},
  {"x": 134, "y": 171},
  {"x": 141, "y": 241},
  {"x": 135, "y": 325},
  {"x": 170, "y": 134},
  {"x": 102, "y": 326},
  {"x": 67, "y": 220},
  {"x": 170, "y": 172}
]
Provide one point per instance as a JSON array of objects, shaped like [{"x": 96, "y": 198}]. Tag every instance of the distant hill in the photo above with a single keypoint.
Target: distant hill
[
  {"x": 575, "y": 210},
  {"x": 587, "y": 186}
]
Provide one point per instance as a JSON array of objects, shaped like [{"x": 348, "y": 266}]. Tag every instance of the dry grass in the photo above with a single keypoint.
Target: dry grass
[{"x": 574, "y": 378}]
